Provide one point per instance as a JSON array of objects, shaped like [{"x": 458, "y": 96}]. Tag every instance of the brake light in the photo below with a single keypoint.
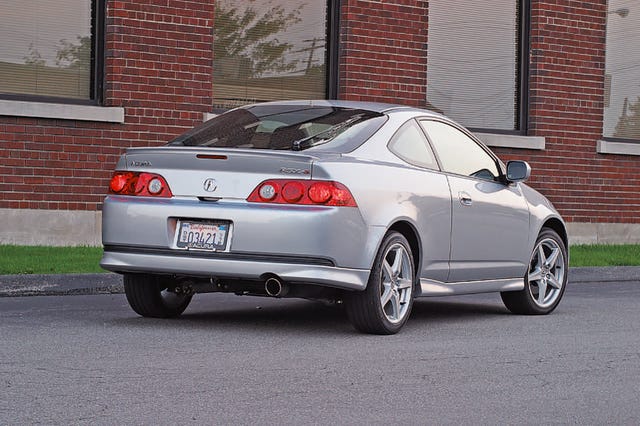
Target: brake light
[
  {"x": 292, "y": 192},
  {"x": 320, "y": 192},
  {"x": 140, "y": 184},
  {"x": 306, "y": 192}
]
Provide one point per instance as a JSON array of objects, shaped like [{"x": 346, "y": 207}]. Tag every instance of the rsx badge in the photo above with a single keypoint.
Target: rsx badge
[{"x": 291, "y": 171}]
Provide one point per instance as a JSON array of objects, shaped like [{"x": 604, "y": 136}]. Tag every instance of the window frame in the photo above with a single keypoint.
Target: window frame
[
  {"x": 332, "y": 56},
  {"x": 96, "y": 82},
  {"x": 611, "y": 144},
  {"x": 522, "y": 82}
]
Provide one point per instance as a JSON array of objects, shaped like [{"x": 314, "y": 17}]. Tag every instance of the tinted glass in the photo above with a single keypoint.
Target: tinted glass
[
  {"x": 458, "y": 153},
  {"x": 46, "y": 48},
  {"x": 268, "y": 50},
  {"x": 622, "y": 71},
  {"x": 410, "y": 144},
  {"x": 286, "y": 127},
  {"x": 473, "y": 61}
]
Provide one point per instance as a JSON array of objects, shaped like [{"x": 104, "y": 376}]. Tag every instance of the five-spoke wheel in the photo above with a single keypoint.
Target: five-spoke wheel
[
  {"x": 385, "y": 305},
  {"x": 397, "y": 283},
  {"x": 546, "y": 277}
]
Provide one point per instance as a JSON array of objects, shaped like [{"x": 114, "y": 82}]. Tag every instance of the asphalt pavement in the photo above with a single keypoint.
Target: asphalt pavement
[
  {"x": 109, "y": 283},
  {"x": 229, "y": 360}
]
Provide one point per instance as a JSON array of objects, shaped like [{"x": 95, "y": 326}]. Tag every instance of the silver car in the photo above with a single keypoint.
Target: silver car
[{"x": 367, "y": 204}]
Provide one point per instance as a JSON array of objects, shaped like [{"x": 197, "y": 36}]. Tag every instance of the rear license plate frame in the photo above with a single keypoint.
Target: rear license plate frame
[{"x": 206, "y": 235}]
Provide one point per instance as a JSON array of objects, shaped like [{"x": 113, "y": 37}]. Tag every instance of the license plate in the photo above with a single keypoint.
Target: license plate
[{"x": 211, "y": 236}]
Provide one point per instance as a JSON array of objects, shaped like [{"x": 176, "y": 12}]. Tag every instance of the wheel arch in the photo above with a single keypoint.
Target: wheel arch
[
  {"x": 411, "y": 234},
  {"x": 558, "y": 226}
]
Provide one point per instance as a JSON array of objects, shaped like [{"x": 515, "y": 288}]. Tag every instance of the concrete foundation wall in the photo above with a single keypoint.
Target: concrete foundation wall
[
  {"x": 84, "y": 228},
  {"x": 604, "y": 233},
  {"x": 50, "y": 227}
]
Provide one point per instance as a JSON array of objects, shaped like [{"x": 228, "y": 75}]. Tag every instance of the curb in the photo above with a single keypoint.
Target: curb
[
  {"x": 110, "y": 283},
  {"x": 60, "y": 285},
  {"x": 599, "y": 274}
]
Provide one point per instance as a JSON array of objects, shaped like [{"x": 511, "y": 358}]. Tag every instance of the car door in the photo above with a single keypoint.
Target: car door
[
  {"x": 429, "y": 195},
  {"x": 490, "y": 218}
]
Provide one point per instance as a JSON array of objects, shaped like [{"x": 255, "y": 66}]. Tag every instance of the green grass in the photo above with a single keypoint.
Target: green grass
[
  {"x": 605, "y": 255},
  {"x": 68, "y": 260},
  {"x": 49, "y": 260}
]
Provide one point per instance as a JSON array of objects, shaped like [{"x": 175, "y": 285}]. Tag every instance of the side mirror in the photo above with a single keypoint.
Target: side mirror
[{"x": 518, "y": 171}]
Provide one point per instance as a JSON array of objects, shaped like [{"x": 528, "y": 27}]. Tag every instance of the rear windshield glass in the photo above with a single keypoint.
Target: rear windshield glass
[{"x": 286, "y": 127}]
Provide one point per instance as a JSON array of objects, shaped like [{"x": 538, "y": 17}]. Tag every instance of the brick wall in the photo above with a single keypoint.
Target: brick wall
[
  {"x": 566, "y": 107},
  {"x": 383, "y": 54},
  {"x": 158, "y": 68}
]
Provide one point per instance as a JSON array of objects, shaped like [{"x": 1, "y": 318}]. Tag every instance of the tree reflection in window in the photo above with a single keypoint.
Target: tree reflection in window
[{"x": 268, "y": 50}]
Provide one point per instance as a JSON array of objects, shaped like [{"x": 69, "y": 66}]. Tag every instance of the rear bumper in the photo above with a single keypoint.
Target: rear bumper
[
  {"x": 290, "y": 269},
  {"x": 338, "y": 234}
]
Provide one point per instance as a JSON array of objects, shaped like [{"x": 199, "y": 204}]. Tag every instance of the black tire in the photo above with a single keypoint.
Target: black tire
[
  {"x": 366, "y": 309},
  {"x": 545, "y": 280},
  {"x": 148, "y": 296}
]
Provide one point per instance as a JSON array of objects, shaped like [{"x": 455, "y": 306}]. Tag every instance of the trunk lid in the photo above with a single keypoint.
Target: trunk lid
[{"x": 218, "y": 173}]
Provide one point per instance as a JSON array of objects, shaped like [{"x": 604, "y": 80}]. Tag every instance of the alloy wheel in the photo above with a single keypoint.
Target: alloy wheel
[
  {"x": 546, "y": 273},
  {"x": 397, "y": 283}
]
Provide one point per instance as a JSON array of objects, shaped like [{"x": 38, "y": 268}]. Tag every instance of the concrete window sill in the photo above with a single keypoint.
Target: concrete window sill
[
  {"x": 512, "y": 141},
  {"x": 624, "y": 148},
  {"x": 62, "y": 111}
]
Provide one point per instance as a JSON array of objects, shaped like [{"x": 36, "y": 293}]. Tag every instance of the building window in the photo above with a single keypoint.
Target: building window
[
  {"x": 473, "y": 66},
  {"x": 269, "y": 50},
  {"x": 622, "y": 71},
  {"x": 48, "y": 49}
]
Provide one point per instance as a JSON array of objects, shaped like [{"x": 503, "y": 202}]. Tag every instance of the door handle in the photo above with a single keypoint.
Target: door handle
[{"x": 465, "y": 199}]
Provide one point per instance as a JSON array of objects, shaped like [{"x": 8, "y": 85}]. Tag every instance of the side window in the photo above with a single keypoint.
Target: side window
[
  {"x": 459, "y": 153},
  {"x": 410, "y": 144}
]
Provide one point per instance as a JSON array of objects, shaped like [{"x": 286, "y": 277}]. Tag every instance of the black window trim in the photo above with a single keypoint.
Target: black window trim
[
  {"x": 333, "y": 48},
  {"x": 96, "y": 89},
  {"x": 621, "y": 140}
]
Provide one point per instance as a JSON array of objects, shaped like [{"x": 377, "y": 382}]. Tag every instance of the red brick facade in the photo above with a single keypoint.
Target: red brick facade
[
  {"x": 383, "y": 51},
  {"x": 159, "y": 68}
]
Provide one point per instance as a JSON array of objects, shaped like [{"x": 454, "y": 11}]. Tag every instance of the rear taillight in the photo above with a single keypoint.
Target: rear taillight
[
  {"x": 308, "y": 192},
  {"x": 139, "y": 183}
]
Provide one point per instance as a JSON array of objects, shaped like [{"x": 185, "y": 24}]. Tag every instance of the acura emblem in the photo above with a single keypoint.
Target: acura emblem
[{"x": 210, "y": 185}]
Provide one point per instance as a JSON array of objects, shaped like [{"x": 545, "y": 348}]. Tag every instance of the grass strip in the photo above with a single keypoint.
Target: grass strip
[
  {"x": 49, "y": 260},
  {"x": 605, "y": 255},
  {"x": 79, "y": 260}
]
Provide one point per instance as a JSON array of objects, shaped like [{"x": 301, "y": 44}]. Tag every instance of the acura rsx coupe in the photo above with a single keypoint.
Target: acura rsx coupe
[{"x": 370, "y": 205}]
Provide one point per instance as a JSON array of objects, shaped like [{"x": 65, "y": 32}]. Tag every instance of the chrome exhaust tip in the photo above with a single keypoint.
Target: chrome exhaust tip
[{"x": 275, "y": 288}]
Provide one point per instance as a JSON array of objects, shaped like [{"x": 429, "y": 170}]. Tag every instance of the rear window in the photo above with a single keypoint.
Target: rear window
[{"x": 286, "y": 127}]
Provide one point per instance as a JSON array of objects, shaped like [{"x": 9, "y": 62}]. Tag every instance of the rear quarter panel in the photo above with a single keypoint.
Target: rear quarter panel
[{"x": 389, "y": 192}]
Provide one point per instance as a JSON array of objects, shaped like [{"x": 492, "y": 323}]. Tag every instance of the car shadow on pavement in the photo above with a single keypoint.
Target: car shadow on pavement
[
  {"x": 297, "y": 315},
  {"x": 446, "y": 309},
  {"x": 292, "y": 316}
]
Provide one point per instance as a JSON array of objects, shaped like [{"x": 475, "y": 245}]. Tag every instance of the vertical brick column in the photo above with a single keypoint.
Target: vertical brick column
[
  {"x": 159, "y": 57},
  {"x": 383, "y": 51}
]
